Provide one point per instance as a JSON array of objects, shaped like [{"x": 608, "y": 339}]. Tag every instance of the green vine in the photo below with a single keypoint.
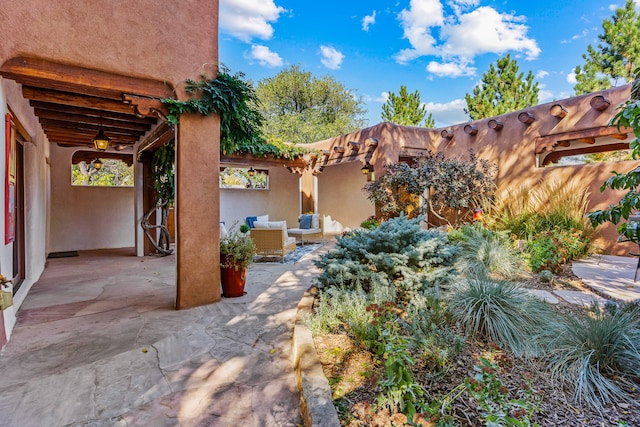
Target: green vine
[
  {"x": 163, "y": 172},
  {"x": 235, "y": 101}
]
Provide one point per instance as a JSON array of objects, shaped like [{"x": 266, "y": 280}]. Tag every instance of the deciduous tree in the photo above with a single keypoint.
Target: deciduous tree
[{"x": 300, "y": 108}]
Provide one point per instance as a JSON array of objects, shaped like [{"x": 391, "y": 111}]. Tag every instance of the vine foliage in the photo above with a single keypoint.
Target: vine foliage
[
  {"x": 163, "y": 169},
  {"x": 236, "y": 102}
]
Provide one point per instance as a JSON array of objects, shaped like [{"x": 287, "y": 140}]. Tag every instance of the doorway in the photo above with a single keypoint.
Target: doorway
[{"x": 19, "y": 272}]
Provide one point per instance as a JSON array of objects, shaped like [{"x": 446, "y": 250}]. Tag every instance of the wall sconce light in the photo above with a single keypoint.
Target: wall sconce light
[
  {"x": 97, "y": 164},
  {"x": 101, "y": 141},
  {"x": 251, "y": 172},
  {"x": 367, "y": 168}
]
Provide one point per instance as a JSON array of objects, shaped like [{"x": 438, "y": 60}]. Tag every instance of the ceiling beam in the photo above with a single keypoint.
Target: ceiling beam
[
  {"x": 75, "y": 100},
  {"x": 70, "y": 78}
]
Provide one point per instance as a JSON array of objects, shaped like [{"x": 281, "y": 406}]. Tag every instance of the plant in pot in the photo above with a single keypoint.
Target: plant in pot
[{"x": 236, "y": 254}]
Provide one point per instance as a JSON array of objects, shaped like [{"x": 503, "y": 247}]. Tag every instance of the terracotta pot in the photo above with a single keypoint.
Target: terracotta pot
[{"x": 233, "y": 281}]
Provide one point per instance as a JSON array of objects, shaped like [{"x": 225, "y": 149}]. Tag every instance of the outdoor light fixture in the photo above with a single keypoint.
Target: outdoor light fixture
[
  {"x": 101, "y": 141},
  {"x": 97, "y": 164},
  {"x": 252, "y": 172},
  {"x": 366, "y": 168}
]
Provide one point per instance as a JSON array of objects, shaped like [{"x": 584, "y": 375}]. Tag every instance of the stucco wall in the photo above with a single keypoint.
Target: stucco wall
[
  {"x": 36, "y": 179},
  {"x": 281, "y": 201},
  {"x": 340, "y": 194},
  {"x": 92, "y": 33},
  {"x": 85, "y": 217}
]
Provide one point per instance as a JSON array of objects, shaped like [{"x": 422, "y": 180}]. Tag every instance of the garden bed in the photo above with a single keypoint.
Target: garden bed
[{"x": 353, "y": 374}]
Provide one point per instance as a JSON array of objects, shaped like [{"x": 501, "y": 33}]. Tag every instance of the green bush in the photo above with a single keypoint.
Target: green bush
[
  {"x": 345, "y": 310},
  {"x": 595, "y": 353},
  {"x": 370, "y": 223},
  {"x": 501, "y": 312},
  {"x": 554, "y": 248},
  {"x": 487, "y": 253},
  {"x": 399, "y": 253}
]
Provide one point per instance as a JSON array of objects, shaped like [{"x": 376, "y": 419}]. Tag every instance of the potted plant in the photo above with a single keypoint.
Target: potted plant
[{"x": 236, "y": 254}]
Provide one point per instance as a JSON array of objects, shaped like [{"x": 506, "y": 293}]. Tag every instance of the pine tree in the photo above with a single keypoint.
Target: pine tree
[
  {"x": 405, "y": 109},
  {"x": 616, "y": 56},
  {"x": 503, "y": 89}
]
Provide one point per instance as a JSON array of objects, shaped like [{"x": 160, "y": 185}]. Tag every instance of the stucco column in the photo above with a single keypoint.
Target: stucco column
[{"x": 197, "y": 210}]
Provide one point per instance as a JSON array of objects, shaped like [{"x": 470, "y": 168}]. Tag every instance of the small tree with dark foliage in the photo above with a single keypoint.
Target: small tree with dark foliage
[{"x": 444, "y": 190}]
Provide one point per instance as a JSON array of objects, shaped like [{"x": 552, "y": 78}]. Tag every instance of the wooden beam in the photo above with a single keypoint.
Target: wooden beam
[
  {"x": 86, "y": 127},
  {"x": 158, "y": 137},
  {"x": 70, "y": 78},
  {"x": 587, "y": 140},
  {"x": 78, "y": 118},
  {"x": 250, "y": 160},
  {"x": 557, "y": 155},
  {"x": 75, "y": 100},
  {"x": 129, "y": 117},
  {"x": 549, "y": 142}
]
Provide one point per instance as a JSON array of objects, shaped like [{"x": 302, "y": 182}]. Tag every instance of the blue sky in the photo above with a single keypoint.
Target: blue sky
[{"x": 440, "y": 48}]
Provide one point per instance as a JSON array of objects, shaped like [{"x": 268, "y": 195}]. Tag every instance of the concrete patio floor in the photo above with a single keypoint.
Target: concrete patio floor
[{"x": 98, "y": 343}]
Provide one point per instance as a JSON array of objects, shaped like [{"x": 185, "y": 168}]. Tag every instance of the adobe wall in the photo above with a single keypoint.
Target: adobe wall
[
  {"x": 87, "y": 217},
  {"x": 281, "y": 201},
  {"x": 512, "y": 148},
  {"x": 162, "y": 40}
]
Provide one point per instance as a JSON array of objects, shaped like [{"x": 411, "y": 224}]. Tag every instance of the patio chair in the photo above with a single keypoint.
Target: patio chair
[{"x": 271, "y": 239}]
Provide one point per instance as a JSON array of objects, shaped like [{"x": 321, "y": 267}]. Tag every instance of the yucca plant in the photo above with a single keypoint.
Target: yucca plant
[
  {"x": 501, "y": 312},
  {"x": 595, "y": 353}
]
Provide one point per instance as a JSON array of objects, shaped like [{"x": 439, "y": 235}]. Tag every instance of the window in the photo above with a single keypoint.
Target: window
[
  {"x": 243, "y": 178},
  {"x": 102, "y": 173}
]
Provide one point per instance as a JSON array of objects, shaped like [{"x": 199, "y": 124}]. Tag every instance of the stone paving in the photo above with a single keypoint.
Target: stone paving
[{"x": 98, "y": 343}]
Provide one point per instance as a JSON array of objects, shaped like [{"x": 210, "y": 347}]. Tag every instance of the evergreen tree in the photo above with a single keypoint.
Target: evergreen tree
[
  {"x": 503, "y": 89},
  {"x": 616, "y": 56},
  {"x": 405, "y": 109},
  {"x": 300, "y": 108}
]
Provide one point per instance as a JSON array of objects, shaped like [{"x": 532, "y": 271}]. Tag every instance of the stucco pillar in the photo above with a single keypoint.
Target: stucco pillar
[{"x": 197, "y": 210}]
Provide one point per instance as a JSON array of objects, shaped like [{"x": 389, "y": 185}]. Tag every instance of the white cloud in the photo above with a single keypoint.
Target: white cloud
[
  {"x": 462, "y": 36},
  {"x": 542, "y": 74},
  {"x": 416, "y": 23},
  {"x": 571, "y": 78},
  {"x": 450, "y": 69},
  {"x": 484, "y": 30},
  {"x": 384, "y": 97},
  {"x": 246, "y": 19},
  {"x": 331, "y": 58},
  {"x": 447, "y": 114},
  {"x": 264, "y": 56},
  {"x": 544, "y": 95},
  {"x": 368, "y": 20}
]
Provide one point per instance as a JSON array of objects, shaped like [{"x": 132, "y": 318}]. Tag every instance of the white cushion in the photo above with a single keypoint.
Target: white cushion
[
  {"x": 315, "y": 221},
  {"x": 301, "y": 231},
  {"x": 262, "y": 218},
  {"x": 289, "y": 240},
  {"x": 260, "y": 224},
  {"x": 223, "y": 230},
  {"x": 277, "y": 224}
]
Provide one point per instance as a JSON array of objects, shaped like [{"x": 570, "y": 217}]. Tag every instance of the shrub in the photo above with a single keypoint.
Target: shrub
[
  {"x": 345, "y": 310},
  {"x": 370, "y": 223},
  {"x": 593, "y": 353},
  {"x": 399, "y": 253},
  {"x": 487, "y": 253},
  {"x": 451, "y": 187},
  {"x": 501, "y": 312},
  {"x": 554, "y": 248}
]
